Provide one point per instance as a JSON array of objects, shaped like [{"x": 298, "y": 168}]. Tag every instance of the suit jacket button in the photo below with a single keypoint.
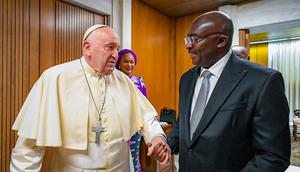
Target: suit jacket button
[{"x": 190, "y": 150}]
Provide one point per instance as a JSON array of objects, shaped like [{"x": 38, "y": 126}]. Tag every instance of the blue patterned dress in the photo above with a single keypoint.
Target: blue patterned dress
[{"x": 135, "y": 141}]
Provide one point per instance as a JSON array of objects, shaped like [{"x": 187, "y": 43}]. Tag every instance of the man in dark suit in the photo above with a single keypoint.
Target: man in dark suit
[{"x": 243, "y": 124}]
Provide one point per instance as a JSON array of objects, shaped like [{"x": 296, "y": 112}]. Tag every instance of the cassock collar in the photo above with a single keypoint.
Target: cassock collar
[{"x": 88, "y": 68}]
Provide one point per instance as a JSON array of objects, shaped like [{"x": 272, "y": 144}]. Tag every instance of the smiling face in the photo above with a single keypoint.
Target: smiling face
[
  {"x": 209, "y": 38},
  {"x": 127, "y": 63},
  {"x": 101, "y": 50},
  {"x": 203, "y": 50}
]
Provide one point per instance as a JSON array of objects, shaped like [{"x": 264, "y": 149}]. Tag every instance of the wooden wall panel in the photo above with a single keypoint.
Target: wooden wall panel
[
  {"x": 182, "y": 58},
  {"x": 61, "y": 35},
  {"x": 19, "y": 64},
  {"x": 71, "y": 22},
  {"x": 29, "y": 31},
  {"x": 244, "y": 38},
  {"x": 1, "y": 84},
  {"x": 152, "y": 40},
  {"x": 47, "y": 34}
]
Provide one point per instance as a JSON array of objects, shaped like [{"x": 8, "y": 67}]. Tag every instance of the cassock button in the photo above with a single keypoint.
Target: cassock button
[{"x": 190, "y": 150}]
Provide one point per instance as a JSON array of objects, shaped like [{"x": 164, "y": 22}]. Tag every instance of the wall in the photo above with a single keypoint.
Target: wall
[
  {"x": 126, "y": 24},
  {"x": 267, "y": 12},
  {"x": 118, "y": 12},
  {"x": 19, "y": 65},
  {"x": 101, "y": 7},
  {"x": 262, "y": 12},
  {"x": 182, "y": 58},
  {"x": 36, "y": 34},
  {"x": 162, "y": 57},
  {"x": 259, "y": 54},
  {"x": 153, "y": 40}
]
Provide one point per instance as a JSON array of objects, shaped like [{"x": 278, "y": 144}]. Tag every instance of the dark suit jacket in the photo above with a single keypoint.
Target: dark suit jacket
[{"x": 244, "y": 127}]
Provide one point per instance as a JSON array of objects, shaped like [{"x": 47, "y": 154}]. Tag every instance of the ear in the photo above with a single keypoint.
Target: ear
[
  {"x": 86, "y": 47},
  {"x": 222, "y": 41}
]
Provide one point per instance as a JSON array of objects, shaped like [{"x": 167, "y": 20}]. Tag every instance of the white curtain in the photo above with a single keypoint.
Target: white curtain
[{"x": 285, "y": 57}]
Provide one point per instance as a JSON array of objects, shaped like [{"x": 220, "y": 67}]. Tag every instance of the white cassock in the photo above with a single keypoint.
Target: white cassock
[{"x": 59, "y": 112}]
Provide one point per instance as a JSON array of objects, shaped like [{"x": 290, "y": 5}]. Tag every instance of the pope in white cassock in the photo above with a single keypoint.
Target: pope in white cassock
[{"x": 87, "y": 111}]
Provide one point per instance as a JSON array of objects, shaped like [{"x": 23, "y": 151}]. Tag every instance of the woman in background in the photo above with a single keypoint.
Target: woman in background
[{"x": 126, "y": 63}]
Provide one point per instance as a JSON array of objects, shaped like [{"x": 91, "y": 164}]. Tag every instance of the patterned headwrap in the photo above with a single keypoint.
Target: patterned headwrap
[{"x": 121, "y": 53}]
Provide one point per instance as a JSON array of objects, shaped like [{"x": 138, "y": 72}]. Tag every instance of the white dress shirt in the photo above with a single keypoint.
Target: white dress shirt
[{"x": 216, "y": 71}]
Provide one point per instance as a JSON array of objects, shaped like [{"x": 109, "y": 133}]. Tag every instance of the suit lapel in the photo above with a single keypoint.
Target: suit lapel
[
  {"x": 228, "y": 80},
  {"x": 189, "y": 91}
]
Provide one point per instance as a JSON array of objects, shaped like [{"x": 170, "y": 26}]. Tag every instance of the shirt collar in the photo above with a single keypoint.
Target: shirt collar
[
  {"x": 218, "y": 67},
  {"x": 88, "y": 68}
]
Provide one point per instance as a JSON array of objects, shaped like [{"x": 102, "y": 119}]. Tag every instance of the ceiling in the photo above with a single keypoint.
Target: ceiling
[{"x": 176, "y": 8}]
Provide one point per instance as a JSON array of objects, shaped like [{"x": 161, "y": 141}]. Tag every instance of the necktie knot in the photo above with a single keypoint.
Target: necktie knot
[{"x": 206, "y": 74}]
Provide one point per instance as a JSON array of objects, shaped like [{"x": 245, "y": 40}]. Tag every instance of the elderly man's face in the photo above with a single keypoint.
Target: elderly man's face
[{"x": 104, "y": 50}]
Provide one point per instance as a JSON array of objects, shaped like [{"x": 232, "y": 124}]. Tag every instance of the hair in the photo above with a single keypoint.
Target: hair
[{"x": 121, "y": 53}]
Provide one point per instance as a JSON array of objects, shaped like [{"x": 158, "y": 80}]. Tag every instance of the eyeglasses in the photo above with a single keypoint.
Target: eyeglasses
[{"x": 193, "y": 39}]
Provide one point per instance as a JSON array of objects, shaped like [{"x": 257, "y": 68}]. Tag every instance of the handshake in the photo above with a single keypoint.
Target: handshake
[{"x": 159, "y": 150}]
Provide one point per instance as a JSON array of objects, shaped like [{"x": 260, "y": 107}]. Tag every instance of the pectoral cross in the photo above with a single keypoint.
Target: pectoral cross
[{"x": 98, "y": 130}]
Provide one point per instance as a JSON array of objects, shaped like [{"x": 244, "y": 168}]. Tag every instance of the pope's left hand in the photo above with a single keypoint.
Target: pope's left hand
[{"x": 159, "y": 150}]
